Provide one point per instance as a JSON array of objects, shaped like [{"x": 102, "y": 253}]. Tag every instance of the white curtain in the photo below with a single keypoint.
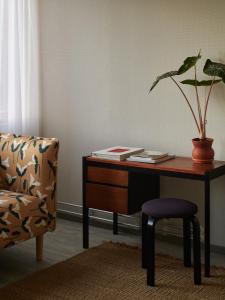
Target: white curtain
[{"x": 19, "y": 67}]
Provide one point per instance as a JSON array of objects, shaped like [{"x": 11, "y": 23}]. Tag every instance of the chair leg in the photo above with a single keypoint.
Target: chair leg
[
  {"x": 187, "y": 242},
  {"x": 144, "y": 240},
  {"x": 197, "y": 251},
  {"x": 150, "y": 232},
  {"x": 39, "y": 247}
]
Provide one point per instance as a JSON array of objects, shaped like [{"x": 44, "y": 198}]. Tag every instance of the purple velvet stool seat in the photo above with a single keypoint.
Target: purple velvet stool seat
[
  {"x": 169, "y": 208},
  {"x": 156, "y": 209}
]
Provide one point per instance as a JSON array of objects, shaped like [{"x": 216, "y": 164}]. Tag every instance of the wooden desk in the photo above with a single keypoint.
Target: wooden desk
[{"x": 122, "y": 187}]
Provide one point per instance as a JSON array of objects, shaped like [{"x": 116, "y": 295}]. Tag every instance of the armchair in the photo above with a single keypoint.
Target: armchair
[{"x": 28, "y": 169}]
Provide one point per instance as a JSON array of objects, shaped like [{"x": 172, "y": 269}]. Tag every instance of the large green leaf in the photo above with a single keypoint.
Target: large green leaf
[
  {"x": 214, "y": 69},
  {"x": 163, "y": 76},
  {"x": 200, "y": 83},
  {"x": 189, "y": 62}
]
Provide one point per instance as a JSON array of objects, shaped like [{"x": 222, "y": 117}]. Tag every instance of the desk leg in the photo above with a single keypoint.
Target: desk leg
[
  {"x": 85, "y": 208},
  {"x": 115, "y": 223},
  {"x": 207, "y": 227},
  {"x": 85, "y": 228}
]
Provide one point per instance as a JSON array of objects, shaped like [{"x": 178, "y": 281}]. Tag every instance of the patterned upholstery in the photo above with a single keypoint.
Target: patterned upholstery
[{"x": 28, "y": 168}]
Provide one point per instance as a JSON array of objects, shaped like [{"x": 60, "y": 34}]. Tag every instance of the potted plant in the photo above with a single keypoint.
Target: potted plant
[{"x": 202, "y": 151}]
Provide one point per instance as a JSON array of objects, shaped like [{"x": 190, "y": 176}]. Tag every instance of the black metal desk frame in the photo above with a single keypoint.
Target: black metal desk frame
[{"x": 206, "y": 179}]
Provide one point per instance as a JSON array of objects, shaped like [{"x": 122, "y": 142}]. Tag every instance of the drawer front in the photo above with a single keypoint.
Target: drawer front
[
  {"x": 107, "y": 198},
  {"x": 108, "y": 176}
]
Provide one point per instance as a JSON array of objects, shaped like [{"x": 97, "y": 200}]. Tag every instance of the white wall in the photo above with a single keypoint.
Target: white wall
[{"x": 99, "y": 58}]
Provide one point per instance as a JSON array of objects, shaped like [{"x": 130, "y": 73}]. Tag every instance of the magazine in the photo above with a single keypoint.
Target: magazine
[{"x": 151, "y": 158}]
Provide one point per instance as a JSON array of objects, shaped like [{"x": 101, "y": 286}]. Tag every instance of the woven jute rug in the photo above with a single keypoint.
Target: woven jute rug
[{"x": 112, "y": 271}]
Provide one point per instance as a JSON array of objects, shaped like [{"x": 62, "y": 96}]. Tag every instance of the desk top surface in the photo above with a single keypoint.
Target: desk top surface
[{"x": 178, "y": 164}]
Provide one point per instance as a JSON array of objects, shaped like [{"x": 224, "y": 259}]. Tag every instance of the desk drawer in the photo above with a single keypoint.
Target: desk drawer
[
  {"x": 108, "y": 176},
  {"x": 114, "y": 199}
]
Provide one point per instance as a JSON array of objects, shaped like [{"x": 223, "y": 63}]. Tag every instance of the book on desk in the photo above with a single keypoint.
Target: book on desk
[
  {"x": 150, "y": 160},
  {"x": 132, "y": 154},
  {"x": 116, "y": 152}
]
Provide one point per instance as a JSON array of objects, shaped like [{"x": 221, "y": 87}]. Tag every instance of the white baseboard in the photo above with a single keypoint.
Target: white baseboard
[{"x": 164, "y": 227}]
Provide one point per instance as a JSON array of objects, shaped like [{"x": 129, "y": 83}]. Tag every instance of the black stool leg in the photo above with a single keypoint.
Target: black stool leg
[
  {"x": 197, "y": 251},
  {"x": 187, "y": 241},
  {"x": 144, "y": 240},
  {"x": 150, "y": 232}
]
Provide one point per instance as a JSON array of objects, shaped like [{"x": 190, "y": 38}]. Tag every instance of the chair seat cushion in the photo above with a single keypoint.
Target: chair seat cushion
[
  {"x": 169, "y": 208},
  {"x": 21, "y": 217}
]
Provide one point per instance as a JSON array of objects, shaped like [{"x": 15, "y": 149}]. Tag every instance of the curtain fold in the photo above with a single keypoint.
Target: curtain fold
[{"x": 19, "y": 67}]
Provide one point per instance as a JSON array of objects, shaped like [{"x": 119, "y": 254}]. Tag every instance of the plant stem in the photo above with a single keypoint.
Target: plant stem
[
  {"x": 207, "y": 102},
  {"x": 199, "y": 106},
  {"x": 193, "y": 114}
]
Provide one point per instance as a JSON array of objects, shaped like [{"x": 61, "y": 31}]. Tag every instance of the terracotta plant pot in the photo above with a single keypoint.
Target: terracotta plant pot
[{"x": 203, "y": 152}]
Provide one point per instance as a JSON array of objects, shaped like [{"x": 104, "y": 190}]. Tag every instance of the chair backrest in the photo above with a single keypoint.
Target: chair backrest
[{"x": 28, "y": 165}]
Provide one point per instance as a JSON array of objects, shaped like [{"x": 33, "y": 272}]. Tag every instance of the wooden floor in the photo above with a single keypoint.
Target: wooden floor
[{"x": 19, "y": 261}]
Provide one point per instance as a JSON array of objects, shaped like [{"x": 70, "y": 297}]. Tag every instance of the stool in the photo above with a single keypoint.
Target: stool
[{"x": 156, "y": 209}]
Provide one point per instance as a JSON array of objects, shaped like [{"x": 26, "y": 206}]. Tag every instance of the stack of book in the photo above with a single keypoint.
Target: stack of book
[
  {"x": 116, "y": 153},
  {"x": 151, "y": 157},
  {"x": 132, "y": 154}
]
